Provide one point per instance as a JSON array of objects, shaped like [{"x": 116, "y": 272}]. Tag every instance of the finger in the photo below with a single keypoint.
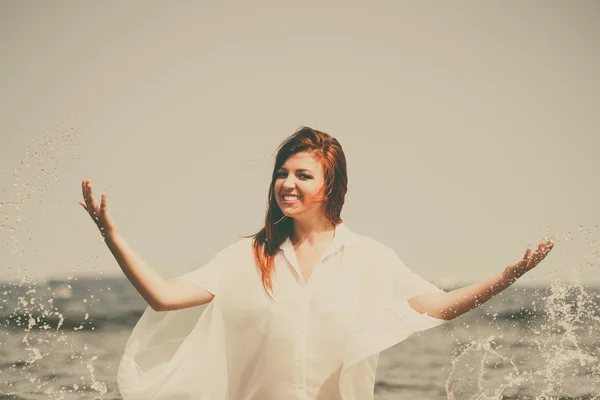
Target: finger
[
  {"x": 88, "y": 202},
  {"x": 83, "y": 205},
  {"x": 540, "y": 249},
  {"x": 87, "y": 196},
  {"x": 103, "y": 205},
  {"x": 87, "y": 191},
  {"x": 93, "y": 207},
  {"x": 91, "y": 194},
  {"x": 547, "y": 247},
  {"x": 527, "y": 257}
]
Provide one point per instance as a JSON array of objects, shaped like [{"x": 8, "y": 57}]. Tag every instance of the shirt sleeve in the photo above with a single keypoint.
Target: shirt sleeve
[
  {"x": 178, "y": 354},
  {"x": 383, "y": 318},
  {"x": 209, "y": 275},
  {"x": 405, "y": 284}
]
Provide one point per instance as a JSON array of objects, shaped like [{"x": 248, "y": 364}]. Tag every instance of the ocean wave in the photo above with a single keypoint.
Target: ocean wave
[{"x": 21, "y": 322}]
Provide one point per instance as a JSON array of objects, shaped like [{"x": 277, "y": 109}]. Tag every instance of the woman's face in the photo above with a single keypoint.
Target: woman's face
[{"x": 299, "y": 186}]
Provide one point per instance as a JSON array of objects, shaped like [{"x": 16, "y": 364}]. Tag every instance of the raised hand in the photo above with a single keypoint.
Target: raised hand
[
  {"x": 529, "y": 260},
  {"x": 98, "y": 212}
]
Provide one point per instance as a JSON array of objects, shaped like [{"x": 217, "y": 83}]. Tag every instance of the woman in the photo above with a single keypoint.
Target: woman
[{"x": 300, "y": 310}]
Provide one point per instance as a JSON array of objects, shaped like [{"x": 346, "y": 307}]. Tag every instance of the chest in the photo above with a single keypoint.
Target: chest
[
  {"x": 308, "y": 258},
  {"x": 323, "y": 306},
  {"x": 327, "y": 303}
]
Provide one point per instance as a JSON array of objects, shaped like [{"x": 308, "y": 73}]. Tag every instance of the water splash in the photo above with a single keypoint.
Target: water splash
[
  {"x": 470, "y": 378},
  {"x": 571, "y": 318},
  {"x": 32, "y": 323},
  {"x": 558, "y": 356},
  {"x": 29, "y": 184},
  {"x": 95, "y": 385}
]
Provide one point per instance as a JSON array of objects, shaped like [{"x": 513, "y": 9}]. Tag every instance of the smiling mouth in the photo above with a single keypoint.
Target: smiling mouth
[{"x": 290, "y": 199}]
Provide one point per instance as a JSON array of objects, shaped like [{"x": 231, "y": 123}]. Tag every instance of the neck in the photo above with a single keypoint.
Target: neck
[{"x": 313, "y": 231}]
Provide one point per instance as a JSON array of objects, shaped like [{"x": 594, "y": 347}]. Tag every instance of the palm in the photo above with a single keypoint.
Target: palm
[
  {"x": 530, "y": 259},
  {"x": 98, "y": 212}
]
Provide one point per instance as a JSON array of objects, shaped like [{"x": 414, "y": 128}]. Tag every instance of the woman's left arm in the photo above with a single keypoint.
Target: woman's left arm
[{"x": 452, "y": 304}]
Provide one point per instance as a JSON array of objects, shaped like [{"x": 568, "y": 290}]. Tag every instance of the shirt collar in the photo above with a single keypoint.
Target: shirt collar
[{"x": 343, "y": 236}]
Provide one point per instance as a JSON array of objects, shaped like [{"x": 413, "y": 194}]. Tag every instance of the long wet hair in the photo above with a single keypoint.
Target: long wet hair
[{"x": 278, "y": 227}]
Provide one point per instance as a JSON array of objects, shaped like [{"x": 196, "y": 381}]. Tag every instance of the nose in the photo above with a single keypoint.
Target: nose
[{"x": 289, "y": 182}]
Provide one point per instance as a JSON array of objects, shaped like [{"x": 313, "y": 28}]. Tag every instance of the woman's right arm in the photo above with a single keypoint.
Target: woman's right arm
[{"x": 160, "y": 294}]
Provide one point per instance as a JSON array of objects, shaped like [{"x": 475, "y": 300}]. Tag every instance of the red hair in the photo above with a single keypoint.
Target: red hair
[{"x": 327, "y": 150}]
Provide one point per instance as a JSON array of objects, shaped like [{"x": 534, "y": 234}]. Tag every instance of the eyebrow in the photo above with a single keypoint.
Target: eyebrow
[{"x": 298, "y": 170}]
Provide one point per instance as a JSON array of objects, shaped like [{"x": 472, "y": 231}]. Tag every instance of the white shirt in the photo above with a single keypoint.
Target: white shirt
[{"x": 318, "y": 340}]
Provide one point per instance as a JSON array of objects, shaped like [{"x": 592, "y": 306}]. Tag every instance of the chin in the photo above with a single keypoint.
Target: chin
[{"x": 289, "y": 212}]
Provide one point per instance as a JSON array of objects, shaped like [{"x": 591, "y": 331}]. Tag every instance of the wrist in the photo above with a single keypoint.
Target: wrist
[{"x": 112, "y": 238}]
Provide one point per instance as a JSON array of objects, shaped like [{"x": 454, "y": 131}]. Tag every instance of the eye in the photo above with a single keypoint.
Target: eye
[{"x": 282, "y": 174}]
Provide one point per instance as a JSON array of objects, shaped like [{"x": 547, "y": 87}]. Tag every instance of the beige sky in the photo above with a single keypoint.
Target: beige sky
[{"x": 470, "y": 128}]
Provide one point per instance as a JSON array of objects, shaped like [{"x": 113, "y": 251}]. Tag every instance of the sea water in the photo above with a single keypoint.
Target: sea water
[{"x": 64, "y": 340}]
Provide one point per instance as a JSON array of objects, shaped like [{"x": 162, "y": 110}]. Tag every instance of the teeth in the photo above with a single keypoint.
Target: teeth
[{"x": 290, "y": 198}]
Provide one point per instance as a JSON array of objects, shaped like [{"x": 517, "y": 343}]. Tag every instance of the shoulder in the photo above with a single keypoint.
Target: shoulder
[
  {"x": 380, "y": 261},
  {"x": 241, "y": 247},
  {"x": 376, "y": 255},
  {"x": 367, "y": 244}
]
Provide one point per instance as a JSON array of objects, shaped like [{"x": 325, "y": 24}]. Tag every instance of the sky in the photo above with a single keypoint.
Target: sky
[{"x": 470, "y": 128}]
